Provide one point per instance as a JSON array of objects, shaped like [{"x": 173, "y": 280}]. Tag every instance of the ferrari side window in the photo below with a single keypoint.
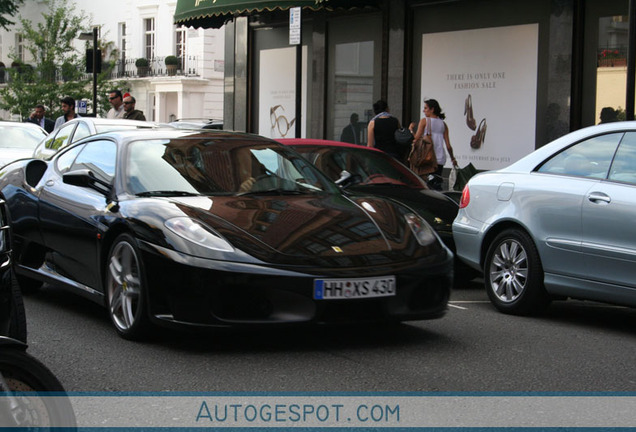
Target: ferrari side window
[
  {"x": 99, "y": 157},
  {"x": 65, "y": 160}
]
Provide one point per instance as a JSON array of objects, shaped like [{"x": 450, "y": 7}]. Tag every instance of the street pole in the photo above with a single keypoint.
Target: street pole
[{"x": 94, "y": 71}]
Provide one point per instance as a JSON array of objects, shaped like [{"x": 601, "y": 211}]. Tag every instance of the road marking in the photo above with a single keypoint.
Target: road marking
[
  {"x": 470, "y": 301},
  {"x": 454, "y": 303}
]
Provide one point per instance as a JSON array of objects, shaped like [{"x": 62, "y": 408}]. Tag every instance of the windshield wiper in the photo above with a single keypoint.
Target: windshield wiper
[
  {"x": 166, "y": 193},
  {"x": 273, "y": 191}
]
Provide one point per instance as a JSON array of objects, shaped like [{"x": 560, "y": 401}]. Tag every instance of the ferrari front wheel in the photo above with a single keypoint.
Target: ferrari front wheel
[{"x": 125, "y": 289}]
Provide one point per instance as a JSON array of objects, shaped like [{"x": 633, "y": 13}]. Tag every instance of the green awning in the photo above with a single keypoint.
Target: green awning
[{"x": 214, "y": 13}]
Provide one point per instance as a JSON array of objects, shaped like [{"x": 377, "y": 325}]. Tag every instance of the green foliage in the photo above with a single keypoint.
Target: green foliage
[
  {"x": 8, "y": 8},
  {"x": 50, "y": 44},
  {"x": 141, "y": 62},
  {"x": 620, "y": 113},
  {"x": 171, "y": 60}
]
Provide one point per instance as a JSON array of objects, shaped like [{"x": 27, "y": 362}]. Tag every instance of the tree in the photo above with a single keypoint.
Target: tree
[
  {"x": 8, "y": 8},
  {"x": 50, "y": 44}
]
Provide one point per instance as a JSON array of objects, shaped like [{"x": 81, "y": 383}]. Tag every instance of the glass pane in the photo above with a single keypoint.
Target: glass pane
[
  {"x": 611, "y": 75},
  {"x": 589, "y": 158},
  {"x": 81, "y": 132},
  {"x": 353, "y": 80},
  {"x": 99, "y": 157},
  {"x": 624, "y": 164}
]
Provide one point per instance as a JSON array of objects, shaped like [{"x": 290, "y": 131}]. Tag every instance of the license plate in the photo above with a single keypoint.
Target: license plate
[{"x": 342, "y": 289}]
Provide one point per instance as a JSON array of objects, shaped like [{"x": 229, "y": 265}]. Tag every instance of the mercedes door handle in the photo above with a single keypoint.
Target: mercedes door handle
[{"x": 599, "y": 198}]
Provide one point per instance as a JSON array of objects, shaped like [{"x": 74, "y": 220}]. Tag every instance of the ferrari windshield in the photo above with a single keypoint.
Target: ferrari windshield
[
  {"x": 195, "y": 166},
  {"x": 374, "y": 168}
]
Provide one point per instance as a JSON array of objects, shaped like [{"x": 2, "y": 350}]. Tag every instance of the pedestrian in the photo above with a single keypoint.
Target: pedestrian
[
  {"x": 116, "y": 100},
  {"x": 432, "y": 128},
  {"x": 381, "y": 131},
  {"x": 38, "y": 117},
  {"x": 351, "y": 132},
  {"x": 130, "y": 112},
  {"x": 68, "y": 110},
  {"x": 608, "y": 115}
]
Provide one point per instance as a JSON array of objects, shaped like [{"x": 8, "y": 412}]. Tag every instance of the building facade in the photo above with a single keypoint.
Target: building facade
[
  {"x": 146, "y": 29},
  {"x": 511, "y": 75}
]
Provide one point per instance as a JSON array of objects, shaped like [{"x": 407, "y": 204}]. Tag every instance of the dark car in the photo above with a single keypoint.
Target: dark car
[
  {"x": 13, "y": 322},
  {"x": 377, "y": 173},
  {"x": 217, "y": 229}
]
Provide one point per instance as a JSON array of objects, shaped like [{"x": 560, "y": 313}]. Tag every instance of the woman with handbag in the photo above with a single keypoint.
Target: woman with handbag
[{"x": 428, "y": 155}]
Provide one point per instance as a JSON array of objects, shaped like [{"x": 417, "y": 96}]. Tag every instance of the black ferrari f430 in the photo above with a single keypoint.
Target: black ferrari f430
[{"x": 217, "y": 229}]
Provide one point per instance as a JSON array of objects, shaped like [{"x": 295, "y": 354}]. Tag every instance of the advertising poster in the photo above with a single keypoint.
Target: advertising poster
[
  {"x": 277, "y": 96},
  {"x": 485, "y": 81}
]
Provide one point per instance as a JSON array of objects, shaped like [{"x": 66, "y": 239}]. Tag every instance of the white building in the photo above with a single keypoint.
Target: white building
[{"x": 144, "y": 28}]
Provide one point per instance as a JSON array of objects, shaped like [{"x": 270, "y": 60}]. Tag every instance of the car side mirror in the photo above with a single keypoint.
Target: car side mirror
[{"x": 86, "y": 178}]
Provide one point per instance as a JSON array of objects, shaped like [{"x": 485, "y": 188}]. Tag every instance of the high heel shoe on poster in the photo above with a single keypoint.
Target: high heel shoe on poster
[
  {"x": 468, "y": 112},
  {"x": 477, "y": 140}
]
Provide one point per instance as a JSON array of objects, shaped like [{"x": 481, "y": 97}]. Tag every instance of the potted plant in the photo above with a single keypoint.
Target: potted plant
[
  {"x": 142, "y": 66},
  {"x": 172, "y": 63}
]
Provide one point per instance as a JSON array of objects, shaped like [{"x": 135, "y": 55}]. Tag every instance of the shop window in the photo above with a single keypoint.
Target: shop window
[
  {"x": 611, "y": 73},
  {"x": 354, "y": 72}
]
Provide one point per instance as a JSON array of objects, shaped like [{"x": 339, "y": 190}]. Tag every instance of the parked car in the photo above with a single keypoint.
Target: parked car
[
  {"x": 13, "y": 323},
  {"x": 197, "y": 123},
  {"x": 377, "y": 173},
  {"x": 18, "y": 140},
  {"x": 558, "y": 223},
  {"x": 23, "y": 379},
  {"x": 81, "y": 127},
  {"x": 213, "y": 228}
]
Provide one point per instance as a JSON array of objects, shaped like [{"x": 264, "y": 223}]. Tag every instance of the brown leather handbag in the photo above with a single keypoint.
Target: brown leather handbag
[{"x": 422, "y": 158}]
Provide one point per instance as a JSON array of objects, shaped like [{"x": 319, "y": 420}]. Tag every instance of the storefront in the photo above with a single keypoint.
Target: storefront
[{"x": 511, "y": 75}]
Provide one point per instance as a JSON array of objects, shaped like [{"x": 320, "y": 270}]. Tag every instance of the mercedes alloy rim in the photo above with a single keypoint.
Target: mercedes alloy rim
[{"x": 508, "y": 271}]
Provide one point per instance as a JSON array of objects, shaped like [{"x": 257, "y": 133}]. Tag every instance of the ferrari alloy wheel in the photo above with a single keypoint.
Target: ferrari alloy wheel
[
  {"x": 513, "y": 274},
  {"x": 125, "y": 289},
  {"x": 24, "y": 402}
]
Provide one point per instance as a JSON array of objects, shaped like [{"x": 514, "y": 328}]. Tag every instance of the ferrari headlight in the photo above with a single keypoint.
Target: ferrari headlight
[
  {"x": 196, "y": 232},
  {"x": 422, "y": 230}
]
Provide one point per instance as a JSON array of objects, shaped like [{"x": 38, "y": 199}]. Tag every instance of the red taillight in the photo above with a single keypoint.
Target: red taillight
[{"x": 465, "y": 198}]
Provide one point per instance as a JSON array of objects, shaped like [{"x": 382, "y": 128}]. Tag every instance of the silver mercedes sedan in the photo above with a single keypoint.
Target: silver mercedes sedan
[{"x": 559, "y": 223}]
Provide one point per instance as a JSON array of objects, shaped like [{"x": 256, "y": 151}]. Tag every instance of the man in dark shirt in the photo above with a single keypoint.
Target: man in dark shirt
[
  {"x": 38, "y": 117},
  {"x": 130, "y": 112},
  {"x": 351, "y": 132}
]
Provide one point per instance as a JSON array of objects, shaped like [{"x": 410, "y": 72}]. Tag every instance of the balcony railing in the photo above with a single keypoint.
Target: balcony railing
[
  {"x": 126, "y": 68},
  {"x": 189, "y": 66},
  {"x": 612, "y": 56}
]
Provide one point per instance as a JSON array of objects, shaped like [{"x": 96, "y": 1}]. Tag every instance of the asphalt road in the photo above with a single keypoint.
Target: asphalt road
[{"x": 575, "y": 346}]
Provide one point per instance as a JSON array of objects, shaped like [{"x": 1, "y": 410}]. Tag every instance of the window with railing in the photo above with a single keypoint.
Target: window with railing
[
  {"x": 121, "y": 30},
  {"x": 20, "y": 48},
  {"x": 149, "y": 37},
  {"x": 180, "y": 44}
]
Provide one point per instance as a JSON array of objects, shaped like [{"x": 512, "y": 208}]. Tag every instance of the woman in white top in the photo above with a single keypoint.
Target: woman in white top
[{"x": 433, "y": 125}]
